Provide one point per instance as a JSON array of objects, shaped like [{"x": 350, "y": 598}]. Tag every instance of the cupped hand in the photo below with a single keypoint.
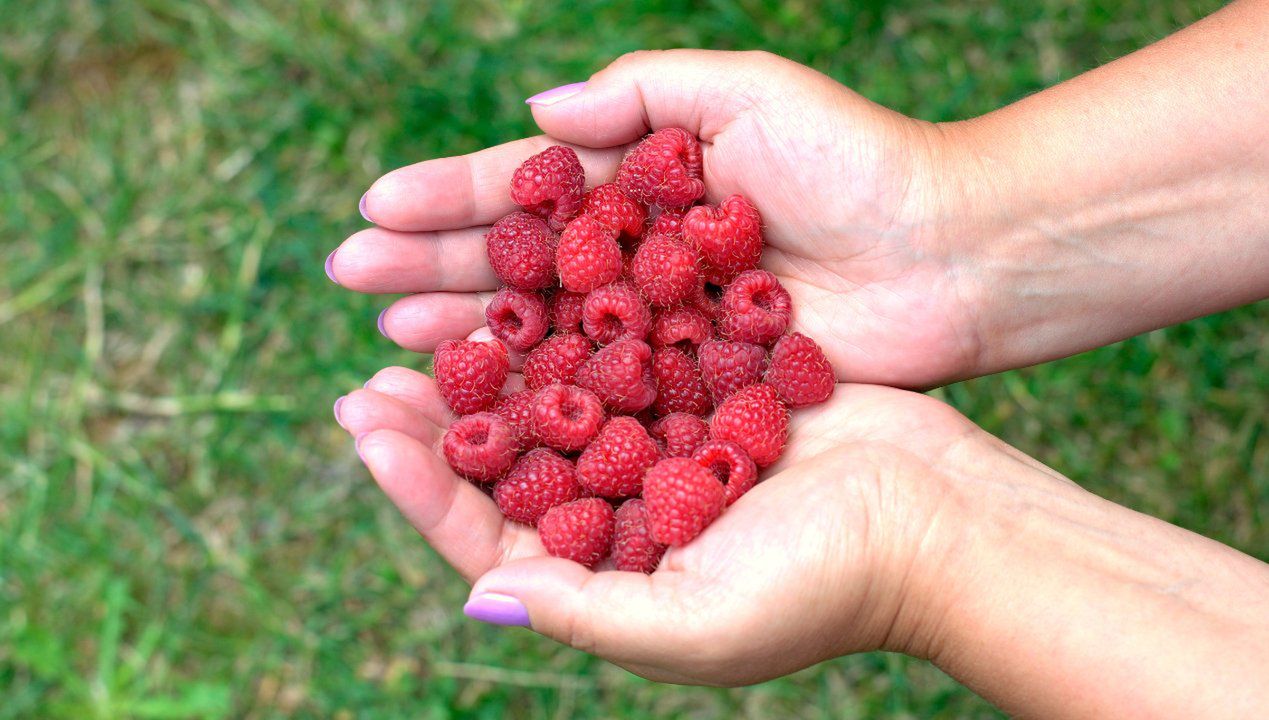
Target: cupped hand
[
  {"x": 841, "y": 549},
  {"x": 848, "y": 191}
]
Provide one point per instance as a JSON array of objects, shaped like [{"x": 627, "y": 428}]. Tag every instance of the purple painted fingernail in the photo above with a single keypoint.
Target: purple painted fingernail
[
  {"x": 330, "y": 266},
  {"x": 361, "y": 207},
  {"x": 554, "y": 95},
  {"x": 498, "y": 609},
  {"x": 382, "y": 331},
  {"x": 357, "y": 445},
  {"x": 339, "y": 402}
]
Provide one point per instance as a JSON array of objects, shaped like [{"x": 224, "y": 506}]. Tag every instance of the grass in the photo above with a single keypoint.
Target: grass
[{"x": 185, "y": 533}]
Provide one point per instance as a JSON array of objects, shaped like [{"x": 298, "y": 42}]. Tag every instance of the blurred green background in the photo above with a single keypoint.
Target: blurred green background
[{"x": 184, "y": 531}]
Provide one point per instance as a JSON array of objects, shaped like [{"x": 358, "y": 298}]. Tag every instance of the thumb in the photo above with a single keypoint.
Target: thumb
[
  {"x": 624, "y": 617},
  {"x": 698, "y": 90}
]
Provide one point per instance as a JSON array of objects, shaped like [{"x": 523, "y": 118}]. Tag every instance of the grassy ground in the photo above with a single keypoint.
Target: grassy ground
[{"x": 184, "y": 532}]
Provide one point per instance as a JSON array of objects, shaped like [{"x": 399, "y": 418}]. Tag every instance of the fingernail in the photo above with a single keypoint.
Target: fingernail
[
  {"x": 380, "y": 321},
  {"x": 361, "y": 207},
  {"x": 357, "y": 445},
  {"x": 330, "y": 266},
  {"x": 554, "y": 95},
  {"x": 497, "y": 609},
  {"x": 339, "y": 402}
]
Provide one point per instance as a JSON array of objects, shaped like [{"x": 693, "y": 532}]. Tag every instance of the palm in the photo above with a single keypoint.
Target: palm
[{"x": 807, "y": 536}]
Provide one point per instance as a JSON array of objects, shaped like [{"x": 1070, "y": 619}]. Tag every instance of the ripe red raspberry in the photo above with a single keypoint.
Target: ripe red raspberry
[
  {"x": 615, "y": 312},
  {"x": 730, "y": 464},
  {"x": 616, "y": 210},
  {"x": 516, "y": 410},
  {"x": 729, "y": 237},
  {"x": 679, "y": 384},
  {"x": 679, "y": 434},
  {"x": 517, "y": 318},
  {"x": 664, "y": 169},
  {"x": 550, "y": 185},
  {"x": 587, "y": 255},
  {"x": 620, "y": 375},
  {"x": 756, "y": 420},
  {"x": 521, "y": 250},
  {"x": 665, "y": 270},
  {"x": 556, "y": 360},
  {"x": 580, "y": 530},
  {"x": 669, "y": 222},
  {"x": 681, "y": 326},
  {"x": 566, "y": 417},
  {"x": 633, "y": 548},
  {"x": 480, "y": 447},
  {"x": 681, "y": 498},
  {"x": 799, "y": 371},
  {"x": 615, "y": 461},
  {"x": 708, "y": 303},
  {"x": 469, "y": 373},
  {"x": 539, "y": 480},
  {"x": 756, "y": 308},
  {"x": 566, "y": 311},
  {"x": 728, "y": 366}
]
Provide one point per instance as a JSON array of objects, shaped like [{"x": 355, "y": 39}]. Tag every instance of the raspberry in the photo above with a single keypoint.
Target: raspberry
[
  {"x": 556, "y": 360},
  {"x": 681, "y": 498},
  {"x": 707, "y": 301},
  {"x": 515, "y": 409},
  {"x": 669, "y": 222},
  {"x": 566, "y": 417},
  {"x": 539, "y": 480},
  {"x": 470, "y": 373},
  {"x": 679, "y": 384},
  {"x": 616, "y": 210},
  {"x": 587, "y": 255},
  {"x": 729, "y": 366},
  {"x": 615, "y": 461},
  {"x": 681, "y": 326},
  {"x": 550, "y": 185},
  {"x": 580, "y": 530},
  {"x": 665, "y": 270},
  {"x": 664, "y": 169},
  {"x": 756, "y": 420},
  {"x": 730, "y": 464},
  {"x": 729, "y": 237},
  {"x": 521, "y": 250},
  {"x": 679, "y": 434},
  {"x": 480, "y": 447},
  {"x": 517, "y": 318},
  {"x": 756, "y": 308},
  {"x": 566, "y": 311},
  {"x": 799, "y": 371},
  {"x": 620, "y": 375},
  {"x": 615, "y": 312},
  {"x": 633, "y": 548}
]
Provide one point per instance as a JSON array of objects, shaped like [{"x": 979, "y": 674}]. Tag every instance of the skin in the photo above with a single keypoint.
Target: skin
[{"x": 1126, "y": 199}]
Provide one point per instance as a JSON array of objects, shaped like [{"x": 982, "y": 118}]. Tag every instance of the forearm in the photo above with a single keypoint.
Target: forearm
[
  {"x": 1065, "y": 605},
  {"x": 1130, "y": 198}
]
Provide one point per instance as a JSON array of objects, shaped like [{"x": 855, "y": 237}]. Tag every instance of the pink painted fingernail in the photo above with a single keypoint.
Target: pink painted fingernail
[
  {"x": 339, "y": 402},
  {"x": 330, "y": 266},
  {"x": 497, "y": 609},
  {"x": 361, "y": 207},
  {"x": 554, "y": 95},
  {"x": 382, "y": 331}
]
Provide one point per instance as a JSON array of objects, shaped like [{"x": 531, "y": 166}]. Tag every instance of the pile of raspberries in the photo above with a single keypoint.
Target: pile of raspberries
[{"x": 659, "y": 369}]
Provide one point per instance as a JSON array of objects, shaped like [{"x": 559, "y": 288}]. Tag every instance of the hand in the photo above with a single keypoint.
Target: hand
[
  {"x": 845, "y": 188},
  {"x": 836, "y": 552}
]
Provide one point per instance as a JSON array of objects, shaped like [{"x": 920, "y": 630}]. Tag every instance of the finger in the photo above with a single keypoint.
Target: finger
[
  {"x": 622, "y": 616},
  {"x": 363, "y": 411},
  {"x": 387, "y": 261},
  {"x": 420, "y": 322},
  {"x": 454, "y": 516},
  {"x": 459, "y": 192},
  {"x": 698, "y": 90},
  {"x": 415, "y": 389}
]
